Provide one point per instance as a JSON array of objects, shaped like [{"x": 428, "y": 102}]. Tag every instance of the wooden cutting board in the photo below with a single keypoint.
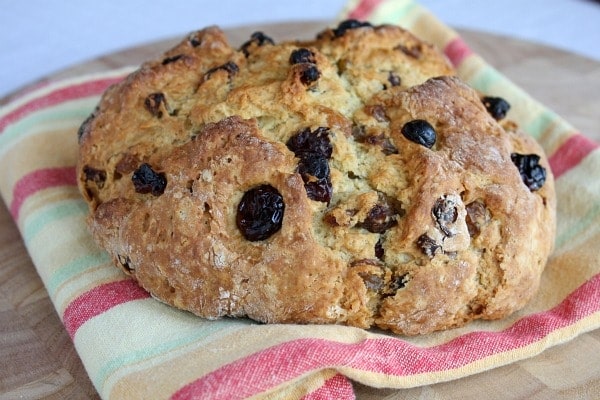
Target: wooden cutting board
[{"x": 37, "y": 356}]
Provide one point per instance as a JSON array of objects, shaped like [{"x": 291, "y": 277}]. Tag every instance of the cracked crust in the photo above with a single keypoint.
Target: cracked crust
[{"x": 413, "y": 239}]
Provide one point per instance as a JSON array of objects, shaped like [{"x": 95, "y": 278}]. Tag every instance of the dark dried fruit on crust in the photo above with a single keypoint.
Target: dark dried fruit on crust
[
  {"x": 379, "y": 250},
  {"x": 97, "y": 176},
  {"x": 532, "y": 173},
  {"x": 372, "y": 282},
  {"x": 320, "y": 190},
  {"x": 394, "y": 79},
  {"x": 260, "y": 213},
  {"x": 302, "y": 55},
  {"x": 477, "y": 217},
  {"x": 314, "y": 170},
  {"x": 359, "y": 134},
  {"x": 382, "y": 216},
  {"x": 195, "y": 39},
  {"x": 497, "y": 107},
  {"x": 172, "y": 59},
  {"x": 397, "y": 282},
  {"x": 445, "y": 214},
  {"x": 420, "y": 132},
  {"x": 309, "y": 74},
  {"x": 146, "y": 180},
  {"x": 125, "y": 262},
  {"x": 257, "y": 39},
  {"x": 349, "y": 24},
  {"x": 313, "y": 148},
  {"x": 230, "y": 67},
  {"x": 428, "y": 246},
  {"x": 413, "y": 51},
  {"x": 85, "y": 126},
  {"x": 313, "y": 166},
  {"x": 152, "y": 103},
  {"x": 307, "y": 141}
]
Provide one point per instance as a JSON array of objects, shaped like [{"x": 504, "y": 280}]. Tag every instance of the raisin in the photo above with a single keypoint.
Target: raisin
[
  {"x": 230, "y": 67},
  {"x": 314, "y": 170},
  {"x": 394, "y": 79},
  {"x": 349, "y": 24},
  {"x": 371, "y": 281},
  {"x": 420, "y": 132},
  {"x": 496, "y": 106},
  {"x": 258, "y": 39},
  {"x": 378, "y": 112},
  {"x": 477, "y": 217},
  {"x": 172, "y": 59},
  {"x": 84, "y": 128},
  {"x": 359, "y": 133},
  {"x": 397, "y": 282},
  {"x": 195, "y": 39},
  {"x": 313, "y": 165},
  {"x": 260, "y": 213},
  {"x": 302, "y": 55},
  {"x": 97, "y": 176},
  {"x": 383, "y": 215},
  {"x": 309, "y": 74},
  {"x": 313, "y": 149},
  {"x": 532, "y": 173},
  {"x": 387, "y": 147},
  {"x": 153, "y": 102},
  {"x": 379, "y": 250},
  {"x": 366, "y": 261},
  {"x": 146, "y": 180},
  {"x": 445, "y": 213},
  {"x": 307, "y": 141},
  {"x": 379, "y": 219},
  {"x": 428, "y": 246},
  {"x": 320, "y": 190},
  {"x": 125, "y": 262},
  {"x": 413, "y": 50}
]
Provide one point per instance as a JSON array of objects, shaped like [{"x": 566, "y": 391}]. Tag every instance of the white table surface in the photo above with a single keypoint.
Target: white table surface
[{"x": 39, "y": 37}]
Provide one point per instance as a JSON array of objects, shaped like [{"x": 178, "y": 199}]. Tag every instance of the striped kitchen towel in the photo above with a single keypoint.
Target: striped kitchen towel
[{"x": 172, "y": 354}]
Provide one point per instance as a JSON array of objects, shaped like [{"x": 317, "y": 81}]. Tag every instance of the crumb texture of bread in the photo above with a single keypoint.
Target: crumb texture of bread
[{"x": 350, "y": 179}]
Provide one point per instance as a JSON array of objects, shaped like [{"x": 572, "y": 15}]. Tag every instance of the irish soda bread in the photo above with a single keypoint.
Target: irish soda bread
[{"x": 349, "y": 179}]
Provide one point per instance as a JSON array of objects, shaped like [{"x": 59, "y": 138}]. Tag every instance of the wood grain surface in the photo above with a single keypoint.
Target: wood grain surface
[{"x": 37, "y": 356}]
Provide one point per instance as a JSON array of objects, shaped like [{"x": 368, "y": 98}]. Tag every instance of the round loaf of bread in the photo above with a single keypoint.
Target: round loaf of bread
[{"x": 350, "y": 179}]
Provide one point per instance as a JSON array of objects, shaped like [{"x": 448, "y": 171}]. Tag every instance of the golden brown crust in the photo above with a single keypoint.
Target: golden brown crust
[{"x": 413, "y": 239}]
